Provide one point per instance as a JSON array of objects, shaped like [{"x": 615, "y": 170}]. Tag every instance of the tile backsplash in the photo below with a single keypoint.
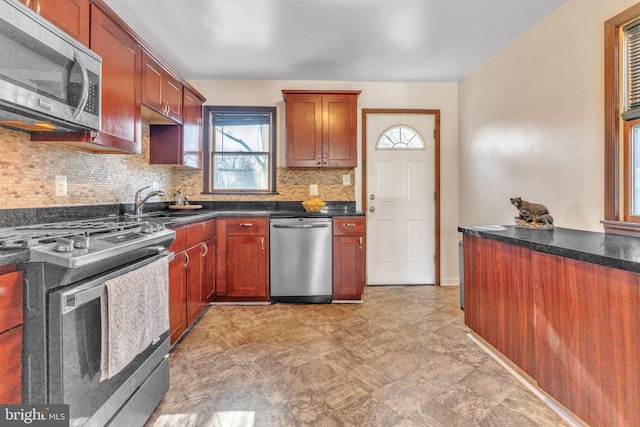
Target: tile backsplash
[{"x": 28, "y": 170}]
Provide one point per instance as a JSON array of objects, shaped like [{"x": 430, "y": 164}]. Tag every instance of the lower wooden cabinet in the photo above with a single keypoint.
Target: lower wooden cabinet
[
  {"x": 242, "y": 259},
  {"x": 11, "y": 290},
  {"x": 348, "y": 258},
  {"x": 191, "y": 275}
]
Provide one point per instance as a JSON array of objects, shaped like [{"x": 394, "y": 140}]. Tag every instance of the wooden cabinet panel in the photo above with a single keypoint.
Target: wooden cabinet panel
[
  {"x": 246, "y": 266},
  {"x": 304, "y": 131},
  {"x": 499, "y": 298},
  {"x": 198, "y": 233},
  {"x": 247, "y": 226},
  {"x": 340, "y": 126},
  {"x": 209, "y": 273},
  {"x": 178, "y": 296},
  {"x": 11, "y": 291},
  {"x": 348, "y": 258},
  {"x": 348, "y": 226},
  {"x": 11, "y": 366},
  {"x": 587, "y": 338},
  {"x": 160, "y": 91},
  {"x": 321, "y": 129},
  {"x": 191, "y": 153},
  {"x": 121, "y": 65},
  {"x": 195, "y": 270},
  {"x": 71, "y": 16},
  {"x": 242, "y": 271}
]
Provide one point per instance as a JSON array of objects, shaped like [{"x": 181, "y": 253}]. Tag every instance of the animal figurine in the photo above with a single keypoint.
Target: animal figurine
[{"x": 534, "y": 213}]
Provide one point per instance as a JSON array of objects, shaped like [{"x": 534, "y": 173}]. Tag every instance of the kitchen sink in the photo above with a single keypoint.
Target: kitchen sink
[{"x": 171, "y": 214}]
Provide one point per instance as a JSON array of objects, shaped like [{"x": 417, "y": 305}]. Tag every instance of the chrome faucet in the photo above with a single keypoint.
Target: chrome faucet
[{"x": 139, "y": 201}]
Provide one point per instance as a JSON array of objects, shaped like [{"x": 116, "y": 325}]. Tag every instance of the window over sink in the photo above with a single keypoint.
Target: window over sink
[{"x": 240, "y": 147}]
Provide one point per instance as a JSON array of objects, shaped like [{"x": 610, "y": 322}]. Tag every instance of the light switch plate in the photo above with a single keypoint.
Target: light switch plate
[
  {"x": 60, "y": 186},
  {"x": 313, "y": 189},
  {"x": 346, "y": 179}
]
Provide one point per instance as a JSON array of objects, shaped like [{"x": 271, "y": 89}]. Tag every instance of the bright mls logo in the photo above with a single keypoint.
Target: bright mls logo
[{"x": 34, "y": 415}]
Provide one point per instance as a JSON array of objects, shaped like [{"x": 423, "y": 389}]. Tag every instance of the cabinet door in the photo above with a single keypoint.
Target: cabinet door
[
  {"x": 11, "y": 366},
  {"x": 195, "y": 270},
  {"x": 178, "y": 296},
  {"x": 209, "y": 274},
  {"x": 121, "y": 75},
  {"x": 191, "y": 153},
  {"x": 348, "y": 267},
  {"x": 304, "y": 130},
  {"x": 339, "y": 130},
  {"x": 246, "y": 271},
  {"x": 172, "y": 96},
  {"x": 151, "y": 83},
  {"x": 71, "y": 16}
]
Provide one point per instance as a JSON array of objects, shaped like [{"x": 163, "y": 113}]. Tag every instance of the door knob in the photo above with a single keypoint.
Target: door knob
[
  {"x": 372, "y": 197},
  {"x": 372, "y": 209}
]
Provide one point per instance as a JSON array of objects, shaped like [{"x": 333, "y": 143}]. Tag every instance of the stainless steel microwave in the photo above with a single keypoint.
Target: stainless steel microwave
[{"x": 48, "y": 80}]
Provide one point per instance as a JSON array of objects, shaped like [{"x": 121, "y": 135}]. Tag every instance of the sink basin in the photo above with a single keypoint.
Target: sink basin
[{"x": 171, "y": 214}]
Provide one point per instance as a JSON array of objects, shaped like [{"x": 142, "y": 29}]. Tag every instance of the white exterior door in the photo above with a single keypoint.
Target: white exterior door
[{"x": 400, "y": 199}]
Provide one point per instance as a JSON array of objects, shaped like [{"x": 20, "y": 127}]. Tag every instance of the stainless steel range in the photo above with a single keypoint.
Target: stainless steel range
[{"x": 68, "y": 276}]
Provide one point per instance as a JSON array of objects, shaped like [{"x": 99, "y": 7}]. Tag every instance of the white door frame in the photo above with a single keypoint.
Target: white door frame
[{"x": 436, "y": 136}]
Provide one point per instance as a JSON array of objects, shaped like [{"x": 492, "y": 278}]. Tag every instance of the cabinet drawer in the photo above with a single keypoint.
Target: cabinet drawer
[
  {"x": 199, "y": 232},
  {"x": 348, "y": 226},
  {"x": 10, "y": 300},
  {"x": 248, "y": 226},
  {"x": 180, "y": 242}
]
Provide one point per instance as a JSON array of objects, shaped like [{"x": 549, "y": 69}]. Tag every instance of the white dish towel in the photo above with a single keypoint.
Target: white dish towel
[{"x": 134, "y": 312}]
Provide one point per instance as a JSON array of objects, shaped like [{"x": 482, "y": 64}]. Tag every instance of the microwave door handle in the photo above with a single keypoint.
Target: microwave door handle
[{"x": 85, "y": 86}]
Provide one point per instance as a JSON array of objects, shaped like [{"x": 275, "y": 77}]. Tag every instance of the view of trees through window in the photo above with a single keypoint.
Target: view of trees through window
[{"x": 241, "y": 143}]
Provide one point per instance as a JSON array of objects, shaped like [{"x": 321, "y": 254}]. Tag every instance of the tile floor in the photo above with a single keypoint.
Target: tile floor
[{"x": 402, "y": 358}]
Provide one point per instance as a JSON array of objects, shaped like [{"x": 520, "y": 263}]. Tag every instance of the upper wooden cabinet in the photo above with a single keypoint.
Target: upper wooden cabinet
[
  {"x": 191, "y": 130},
  {"x": 175, "y": 145},
  {"x": 321, "y": 128},
  {"x": 160, "y": 91},
  {"x": 121, "y": 108},
  {"x": 71, "y": 16}
]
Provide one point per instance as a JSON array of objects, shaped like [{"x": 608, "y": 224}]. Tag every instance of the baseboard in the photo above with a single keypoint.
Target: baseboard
[{"x": 450, "y": 281}]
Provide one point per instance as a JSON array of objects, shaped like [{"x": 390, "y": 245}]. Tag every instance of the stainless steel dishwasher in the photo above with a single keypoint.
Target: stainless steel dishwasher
[{"x": 301, "y": 260}]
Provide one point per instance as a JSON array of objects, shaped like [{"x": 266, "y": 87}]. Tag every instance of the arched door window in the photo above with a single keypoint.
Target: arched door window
[{"x": 400, "y": 137}]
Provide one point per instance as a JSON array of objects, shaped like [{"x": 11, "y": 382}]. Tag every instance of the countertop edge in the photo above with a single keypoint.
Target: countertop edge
[{"x": 614, "y": 251}]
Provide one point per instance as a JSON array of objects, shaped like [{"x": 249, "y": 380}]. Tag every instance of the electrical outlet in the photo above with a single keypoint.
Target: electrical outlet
[
  {"x": 61, "y": 186},
  {"x": 346, "y": 179},
  {"x": 313, "y": 189},
  {"x": 155, "y": 186}
]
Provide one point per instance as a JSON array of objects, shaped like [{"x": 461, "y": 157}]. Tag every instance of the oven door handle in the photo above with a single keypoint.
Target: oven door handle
[{"x": 96, "y": 288}]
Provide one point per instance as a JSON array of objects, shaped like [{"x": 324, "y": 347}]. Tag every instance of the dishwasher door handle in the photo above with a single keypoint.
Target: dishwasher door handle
[{"x": 301, "y": 226}]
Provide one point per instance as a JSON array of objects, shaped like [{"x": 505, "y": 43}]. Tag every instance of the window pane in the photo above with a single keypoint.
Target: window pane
[
  {"x": 635, "y": 168},
  {"x": 247, "y": 138},
  {"x": 400, "y": 137},
  {"x": 241, "y": 172}
]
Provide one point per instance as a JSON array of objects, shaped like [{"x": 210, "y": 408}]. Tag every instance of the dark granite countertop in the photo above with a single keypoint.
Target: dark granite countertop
[
  {"x": 609, "y": 250},
  {"x": 174, "y": 218}
]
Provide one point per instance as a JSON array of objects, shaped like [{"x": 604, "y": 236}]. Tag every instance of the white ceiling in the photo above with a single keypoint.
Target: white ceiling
[{"x": 339, "y": 40}]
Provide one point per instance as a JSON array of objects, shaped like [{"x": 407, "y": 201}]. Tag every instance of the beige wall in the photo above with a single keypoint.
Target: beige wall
[{"x": 531, "y": 122}]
